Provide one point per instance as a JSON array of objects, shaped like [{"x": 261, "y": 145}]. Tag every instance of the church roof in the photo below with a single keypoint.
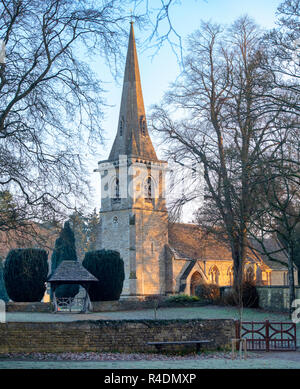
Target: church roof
[
  {"x": 132, "y": 138},
  {"x": 274, "y": 248},
  {"x": 187, "y": 241},
  {"x": 71, "y": 271}
]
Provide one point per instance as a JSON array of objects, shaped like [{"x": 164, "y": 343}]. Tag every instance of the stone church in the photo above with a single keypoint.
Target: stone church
[{"x": 159, "y": 257}]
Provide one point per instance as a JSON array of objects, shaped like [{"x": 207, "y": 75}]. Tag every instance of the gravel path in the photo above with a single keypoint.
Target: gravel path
[
  {"x": 93, "y": 356},
  {"x": 213, "y": 360}
]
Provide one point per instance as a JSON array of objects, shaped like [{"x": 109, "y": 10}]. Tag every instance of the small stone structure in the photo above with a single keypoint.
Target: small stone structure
[{"x": 71, "y": 272}]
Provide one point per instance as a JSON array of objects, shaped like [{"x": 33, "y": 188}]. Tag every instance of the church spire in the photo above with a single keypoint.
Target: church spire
[{"x": 132, "y": 137}]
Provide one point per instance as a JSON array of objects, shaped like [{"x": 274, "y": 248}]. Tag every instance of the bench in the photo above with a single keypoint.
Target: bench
[{"x": 198, "y": 343}]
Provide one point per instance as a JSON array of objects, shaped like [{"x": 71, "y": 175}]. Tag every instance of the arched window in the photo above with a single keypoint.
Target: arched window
[
  {"x": 116, "y": 190},
  {"x": 214, "y": 275},
  {"x": 148, "y": 189},
  {"x": 143, "y": 125},
  {"x": 230, "y": 274},
  {"x": 249, "y": 275},
  {"x": 152, "y": 248}
]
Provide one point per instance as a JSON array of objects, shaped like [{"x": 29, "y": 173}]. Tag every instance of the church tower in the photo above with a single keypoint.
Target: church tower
[{"x": 134, "y": 219}]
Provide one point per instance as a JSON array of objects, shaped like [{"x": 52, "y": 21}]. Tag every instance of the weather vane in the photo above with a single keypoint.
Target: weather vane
[{"x": 131, "y": 15}]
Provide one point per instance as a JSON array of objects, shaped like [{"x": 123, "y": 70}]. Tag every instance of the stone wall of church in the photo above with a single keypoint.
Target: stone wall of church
[
  {"x": 151, "y": 232},
  {"x": 140, "y": 237},
  {"x": 115, "y": 235}
]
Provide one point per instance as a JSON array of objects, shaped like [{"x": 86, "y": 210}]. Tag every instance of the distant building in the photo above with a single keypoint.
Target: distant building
[{"x": 159, "y": 257}]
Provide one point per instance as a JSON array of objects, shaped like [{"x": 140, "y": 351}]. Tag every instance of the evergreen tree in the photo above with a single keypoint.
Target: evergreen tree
[
  {"x": 25, "y": 274},
  {"x": 64, "y": 251},
  {"x": 108, "y": 267},
  {"x": 79, "y": 226},
  {"x": 92, "y": 230},
  {"x": 85, "y": 228}
]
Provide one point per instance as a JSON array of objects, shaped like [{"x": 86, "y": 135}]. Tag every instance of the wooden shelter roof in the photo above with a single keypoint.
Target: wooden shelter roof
[{"x": 71, "y": 271}]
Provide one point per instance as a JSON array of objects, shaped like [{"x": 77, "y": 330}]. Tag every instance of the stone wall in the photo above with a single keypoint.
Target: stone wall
[
  {"x": 106, "y": 306},
  {"x": 111, "y": 336},
  {"x": 273, "y": 298},
  {"x": 131, "y": 305},
  {"x": 28, "y": 307}
]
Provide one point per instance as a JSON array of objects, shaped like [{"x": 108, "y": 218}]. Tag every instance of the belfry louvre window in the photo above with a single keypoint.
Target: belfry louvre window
[
  {"x": 148, "y": 189},
  {"x": 116, "y": 190}
]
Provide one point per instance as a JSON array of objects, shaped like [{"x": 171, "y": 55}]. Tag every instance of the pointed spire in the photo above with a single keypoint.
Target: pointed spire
[{"x": 132, "y": 137}]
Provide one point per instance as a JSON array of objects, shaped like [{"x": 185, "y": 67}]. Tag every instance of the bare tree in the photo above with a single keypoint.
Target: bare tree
[
  {"x": 278, "y": 203},
  {"x": 51, "y": 101},
  {"x": 228, "y": 123},
  {"x": 283, "y": 45}
]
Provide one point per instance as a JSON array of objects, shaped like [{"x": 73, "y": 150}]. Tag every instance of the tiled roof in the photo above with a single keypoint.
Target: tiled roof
[
  {"x": 275, "y": 250},
  {"x": 188, "y": 241},
  {"x": 69, "y": 271}
]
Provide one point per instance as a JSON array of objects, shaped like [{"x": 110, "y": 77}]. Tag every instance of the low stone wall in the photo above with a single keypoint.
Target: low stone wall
[
  {"x": 111, "y": 336},
  {"x": 104, "y": 306},
  {"x": 134, "y": 305},
  {"x": 28, "y": 307},
  {"x": 273, "y": 298}
]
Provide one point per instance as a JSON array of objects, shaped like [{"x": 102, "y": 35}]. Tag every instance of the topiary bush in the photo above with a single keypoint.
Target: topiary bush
[
  {"x": 208, "y": 292},
  {"x": 108, "y": 267},
  {"x": 25, "y": 274},
  {"x": 64, "y": 250}
]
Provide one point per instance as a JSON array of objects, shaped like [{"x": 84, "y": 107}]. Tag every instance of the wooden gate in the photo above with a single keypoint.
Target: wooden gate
[
  {"x": 268, "y": 336},
  {"x": 70, "y": 304}
]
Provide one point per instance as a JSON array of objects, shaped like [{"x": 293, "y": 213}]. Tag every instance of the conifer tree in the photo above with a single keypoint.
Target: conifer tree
[
  {"x": 92, "y": 232},
  {"x": 108, "y": 267},
  {"x": 25, "y": 274},
  {"x": 79, "y": 226},
  {"x": 64, "y": 251}
]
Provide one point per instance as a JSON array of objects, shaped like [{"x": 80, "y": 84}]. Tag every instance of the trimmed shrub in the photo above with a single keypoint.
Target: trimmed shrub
[
  {"x": 108, "y": 267},
  {"x": 250, "y": 298},
  {"x": 182, "y": 298},
  {"x": 209, "y": 292},
  {"x": 25, "y": 274},
  {"x": 64, "y": 250}
]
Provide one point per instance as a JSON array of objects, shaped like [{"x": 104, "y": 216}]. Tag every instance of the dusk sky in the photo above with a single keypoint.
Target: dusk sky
[{"x": 157, "y": 72}]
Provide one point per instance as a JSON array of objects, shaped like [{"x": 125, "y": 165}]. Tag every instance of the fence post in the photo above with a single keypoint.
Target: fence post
[
  {"x": 237, "y": 333},
  {"x": 267, "y": 335}
]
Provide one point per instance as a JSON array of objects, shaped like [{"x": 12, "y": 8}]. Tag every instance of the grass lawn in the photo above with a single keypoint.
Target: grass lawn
[{"x": 206, "y": 312}]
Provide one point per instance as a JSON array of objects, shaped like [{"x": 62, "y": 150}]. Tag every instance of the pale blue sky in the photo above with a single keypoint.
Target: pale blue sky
[{"x": 159, "y": 71}]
